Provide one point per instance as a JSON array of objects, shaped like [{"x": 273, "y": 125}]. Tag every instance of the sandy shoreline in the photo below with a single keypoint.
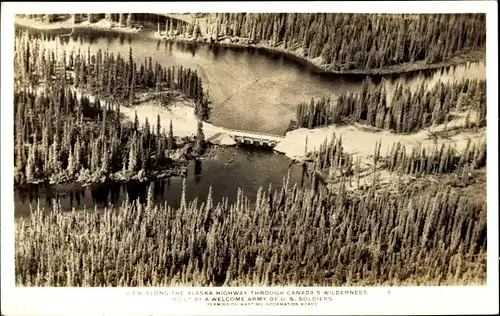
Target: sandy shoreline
[
  {"x": 360, "y": 142},
  {"x": 357, "y": 140}
]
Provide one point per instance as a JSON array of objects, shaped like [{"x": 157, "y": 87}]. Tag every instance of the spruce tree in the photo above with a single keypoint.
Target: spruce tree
[
  {"x": 158, "y": 125},
  {"x": 200, "y": 139},
  {"x": 129, "y": 20},
  {"x": 170, "y": 139},
  {"x": 71, "y": 164},
  {"x": 136, "y": 121},
  {"x": 121, "y": 21},
  {"x": 30, "y": 165},
  {"x": 132, "y": 156}
]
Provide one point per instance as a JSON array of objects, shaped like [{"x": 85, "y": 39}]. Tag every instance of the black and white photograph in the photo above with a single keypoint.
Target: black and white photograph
[{"x": 228, "y": 152}]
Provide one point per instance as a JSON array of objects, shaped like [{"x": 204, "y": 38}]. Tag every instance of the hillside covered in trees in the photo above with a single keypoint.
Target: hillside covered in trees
[{"x": 346, "y": 41}]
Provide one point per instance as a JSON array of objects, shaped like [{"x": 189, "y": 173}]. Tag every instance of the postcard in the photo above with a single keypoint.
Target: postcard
[{"x": 249, "y": 158}]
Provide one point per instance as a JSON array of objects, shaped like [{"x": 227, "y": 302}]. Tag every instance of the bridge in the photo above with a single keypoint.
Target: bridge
[{"x": 254, "y": 138}]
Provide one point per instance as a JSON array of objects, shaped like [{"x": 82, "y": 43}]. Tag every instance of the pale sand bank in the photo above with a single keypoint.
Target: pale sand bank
[{"x": 356, "y": 139}]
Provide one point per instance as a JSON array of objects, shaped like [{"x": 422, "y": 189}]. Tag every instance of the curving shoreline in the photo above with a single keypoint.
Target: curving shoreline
[
  {"x": 318, "y": 67},
  {"x": 314, "y": 64},
  {"x": 474, "y": 56}
]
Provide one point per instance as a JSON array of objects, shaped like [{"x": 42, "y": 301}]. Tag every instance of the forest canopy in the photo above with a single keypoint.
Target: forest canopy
[
  {"x": 359, "y": 41},
  {"x": 68, "y": 125}
]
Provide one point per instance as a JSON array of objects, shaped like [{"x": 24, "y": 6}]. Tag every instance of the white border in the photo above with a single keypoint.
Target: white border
[{"x": 408, "y": 300}]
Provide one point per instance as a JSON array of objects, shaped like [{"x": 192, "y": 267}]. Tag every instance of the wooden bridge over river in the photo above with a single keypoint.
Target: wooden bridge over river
[{"x": 254, "y": 138}]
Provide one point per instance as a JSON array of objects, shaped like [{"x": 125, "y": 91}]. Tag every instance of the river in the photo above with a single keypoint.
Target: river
[{"x": 250, "y": 89}]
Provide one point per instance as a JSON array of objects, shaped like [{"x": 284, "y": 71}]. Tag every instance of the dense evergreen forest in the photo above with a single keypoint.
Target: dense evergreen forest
[
  {"x": 63, "y": 135},
  {"x": 358, "y": 41},
  {"x": 63, "y": 138},
  {"x": 404, "y": 111},
  {"x": 299, "y": 237}
]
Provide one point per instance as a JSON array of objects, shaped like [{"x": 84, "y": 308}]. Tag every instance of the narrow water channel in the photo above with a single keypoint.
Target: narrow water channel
[{"x": 247, "y": 168}]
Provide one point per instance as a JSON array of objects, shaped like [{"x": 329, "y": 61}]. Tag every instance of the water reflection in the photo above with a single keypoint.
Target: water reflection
[
  {"x": 242, "y": 167},
  {"x": 169, "y": 44},
  {"x": 193, "y": 50},
  {"x": 197, "y": 170},
  {"x": 215, "y": 51},
  {"x": 121, "y": 37}
]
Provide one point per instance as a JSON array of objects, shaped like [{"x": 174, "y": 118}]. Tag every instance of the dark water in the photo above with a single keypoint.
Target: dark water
[
  {"x": 244, "y": 167},
  {"x": 251, "y": 89}
]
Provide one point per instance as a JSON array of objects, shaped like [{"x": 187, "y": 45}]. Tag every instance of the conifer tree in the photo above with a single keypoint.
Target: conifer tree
[
  {"x": 132, "y": 156},
  {"x": 136, "y": 121},
  {"x": 121, "y": 20},
  {"x": 200, "y": 139},
  {"x": 30, "y": 165},
  {"x": 71, "y": 164},
  {"x": 129, "y": 20},
  {"x": 158, "y": 125},
  {"x": 170, "y": 139}
]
